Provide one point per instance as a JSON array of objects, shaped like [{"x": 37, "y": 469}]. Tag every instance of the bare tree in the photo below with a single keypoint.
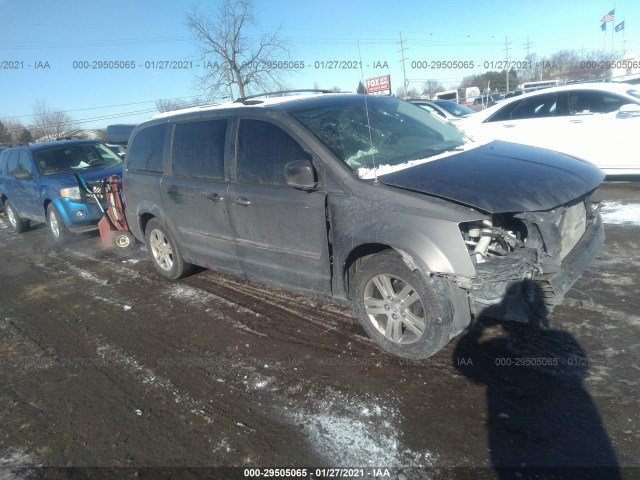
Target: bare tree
[
  {"x": 235, "y": 61},
  {"x": 166, "y": 105},
  {"x": 405, "y": 93},
  {"x": 51, "y": 124},
  {"x": 5, "y": 134},
  {"x": 14, "y": 131},
  {"x": 431, "y": 87},
  {"x": 569, "y": 65},
  {"x": 25, "y": 136}
]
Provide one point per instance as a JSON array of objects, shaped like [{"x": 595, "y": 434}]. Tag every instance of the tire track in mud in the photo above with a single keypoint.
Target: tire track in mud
[{"x": 303, "y": 320}]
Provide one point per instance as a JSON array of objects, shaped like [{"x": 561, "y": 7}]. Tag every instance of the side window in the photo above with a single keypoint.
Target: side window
[
  {"x": 198, "y": 149},
  {"x": 590, "y": 101},
  {"x": 24, "y": 162},
  {"x": 504, "y": 113},
  {"x": 263, "y": 151},
  {"x": 12, "y": 163},
  {"x": 536, "y": 107},
  {"x": 146, "y": 150}
]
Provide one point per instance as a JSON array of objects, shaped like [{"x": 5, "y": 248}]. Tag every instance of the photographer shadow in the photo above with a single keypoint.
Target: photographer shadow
[{"x": 540, "y": 416}]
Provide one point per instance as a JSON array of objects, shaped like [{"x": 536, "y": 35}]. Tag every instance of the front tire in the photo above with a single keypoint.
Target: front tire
[
  {"x": 18, "y": 224},
  {"x": 164, "y": 251},
  {"x": 402, "y": 311},
  {"x": 58, "y": 229}
]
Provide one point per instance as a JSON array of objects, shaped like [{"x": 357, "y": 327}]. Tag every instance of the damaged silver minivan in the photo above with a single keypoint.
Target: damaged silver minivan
[{"x": 368, "y": 201}]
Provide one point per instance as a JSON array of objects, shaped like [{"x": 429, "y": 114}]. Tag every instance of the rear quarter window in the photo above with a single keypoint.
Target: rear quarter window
[
  {"x": 146, "y": 150},
  {"x": 12, "y": 162},
  {"x": 198, "y": 149}
]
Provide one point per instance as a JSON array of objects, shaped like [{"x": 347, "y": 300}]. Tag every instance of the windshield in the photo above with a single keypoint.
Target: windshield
[
  {"x": 75, "y": 157},
  {"x": 400, "y": 132}
]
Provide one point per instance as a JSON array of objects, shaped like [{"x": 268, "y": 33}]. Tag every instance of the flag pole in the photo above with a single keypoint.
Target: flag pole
[{"x": 613, "y": 25}]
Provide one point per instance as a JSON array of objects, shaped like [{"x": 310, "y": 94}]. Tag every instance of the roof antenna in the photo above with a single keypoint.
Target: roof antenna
[{"x": 366, "y": 107}]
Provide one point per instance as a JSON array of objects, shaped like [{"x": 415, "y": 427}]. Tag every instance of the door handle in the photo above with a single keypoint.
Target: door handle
[
  {"x": 242, "y": 201},
  {"x": 576, "y": 121},
  {"x": 509, "y": 125},
  {"x": 214, "y": 197}
]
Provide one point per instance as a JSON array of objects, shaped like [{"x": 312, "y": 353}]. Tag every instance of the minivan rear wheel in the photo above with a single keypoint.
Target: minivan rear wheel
[
  {"x": 164, "y": 251},
  {"x": 404, "y": 312}
]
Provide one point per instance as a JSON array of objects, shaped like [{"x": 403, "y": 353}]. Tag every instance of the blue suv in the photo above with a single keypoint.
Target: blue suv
[{"x": 37, "y": 184}]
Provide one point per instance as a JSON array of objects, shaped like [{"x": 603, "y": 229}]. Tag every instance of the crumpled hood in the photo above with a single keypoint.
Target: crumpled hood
[{"x": 502, "y": 177}]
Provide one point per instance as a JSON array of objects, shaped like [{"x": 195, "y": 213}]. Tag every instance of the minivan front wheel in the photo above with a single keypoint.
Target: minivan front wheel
[
  {"x": 404, "y": 312},
  {"x": 165, "y": 254}
]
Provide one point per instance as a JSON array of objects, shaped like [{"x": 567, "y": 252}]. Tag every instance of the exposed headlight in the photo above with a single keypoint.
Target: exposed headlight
[{"x": 72, "y": 193}]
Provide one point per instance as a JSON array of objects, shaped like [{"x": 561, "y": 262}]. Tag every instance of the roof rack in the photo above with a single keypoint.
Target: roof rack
[{"x": 280, "y": 93}]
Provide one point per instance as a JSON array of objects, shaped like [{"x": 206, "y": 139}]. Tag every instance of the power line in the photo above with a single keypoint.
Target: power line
[{"x": 101, "y": 107}]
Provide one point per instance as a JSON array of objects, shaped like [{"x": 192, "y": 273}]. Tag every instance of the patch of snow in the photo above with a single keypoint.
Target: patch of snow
[
  {"x": 16, "y": 458},
  {"x": 357, "y": 431},
  {"x": 203, "y": 297},
  {"x": 241, "y": 326},
  {"x": 616, "y": 213}
]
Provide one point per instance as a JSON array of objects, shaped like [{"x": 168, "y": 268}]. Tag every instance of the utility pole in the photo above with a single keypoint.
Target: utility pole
[
  {"x": 506, "y": 51},
  {"x": 404, "y": 70},
  {"x": 532, "y": 74},
  {"x": 528, "y": 47}
]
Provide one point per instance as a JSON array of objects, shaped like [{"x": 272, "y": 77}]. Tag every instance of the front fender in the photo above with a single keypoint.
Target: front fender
[{"x": 440, "y": 249}]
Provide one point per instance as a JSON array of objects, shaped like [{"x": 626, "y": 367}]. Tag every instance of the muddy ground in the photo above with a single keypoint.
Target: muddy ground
[{"x": 104, "y": 364}]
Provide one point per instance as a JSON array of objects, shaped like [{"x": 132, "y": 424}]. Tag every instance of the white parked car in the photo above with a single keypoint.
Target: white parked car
[{"x": 598, "y": 122}]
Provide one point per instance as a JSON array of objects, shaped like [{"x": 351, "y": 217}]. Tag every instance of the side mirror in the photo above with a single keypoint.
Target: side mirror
[
  {"x": 300, "y": 174},
  {"x": 629, "y": 110},
  {"x": 22, "y": 174}
]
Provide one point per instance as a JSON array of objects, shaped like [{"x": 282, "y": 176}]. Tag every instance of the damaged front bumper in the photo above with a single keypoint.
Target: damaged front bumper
[{"x": 521, "y": 286}]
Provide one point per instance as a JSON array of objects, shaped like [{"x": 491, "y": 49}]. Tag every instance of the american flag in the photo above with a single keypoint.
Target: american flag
[{"x": 609, "y": 16}]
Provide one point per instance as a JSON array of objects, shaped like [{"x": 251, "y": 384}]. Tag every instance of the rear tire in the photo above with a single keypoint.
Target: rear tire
[
  {"x": 402, "y": 311},
  {"x": 58, "y": 229},
  {"x": 18, "y": 224},
  {"x": 164, "y": 251}
]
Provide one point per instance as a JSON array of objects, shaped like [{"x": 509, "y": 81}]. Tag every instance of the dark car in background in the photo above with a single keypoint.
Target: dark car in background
[
  {"x": 368, "y": 201},
  {"x": 452, "y": 111},
  {"x": 37, "y": 184}
]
